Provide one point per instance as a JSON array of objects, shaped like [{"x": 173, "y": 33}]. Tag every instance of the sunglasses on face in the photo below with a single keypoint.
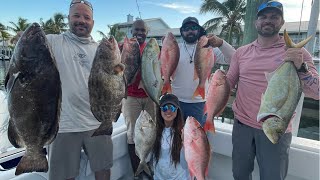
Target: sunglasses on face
[
  {"x": 83, "y": 2},
  {"x": 140, "y": 29},
  {"x": 187, "y": 28},
  {"x": 270, "y": 4},
  {"x": 165, "y": 108}
]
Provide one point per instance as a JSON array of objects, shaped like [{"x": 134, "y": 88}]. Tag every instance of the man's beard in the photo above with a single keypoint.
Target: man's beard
[
  {"x": 268, "y": 33},
  {"x": 190, "y": 39}
]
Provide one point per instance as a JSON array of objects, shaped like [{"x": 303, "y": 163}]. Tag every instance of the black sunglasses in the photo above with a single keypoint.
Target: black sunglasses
[
  {"x": 187, "y": 28},
  {"x": 270, "y": 4},
  {"x": 83, "y": 2}
]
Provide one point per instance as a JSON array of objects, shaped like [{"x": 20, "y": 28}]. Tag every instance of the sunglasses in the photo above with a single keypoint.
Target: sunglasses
[
  {"x": 187, "y": 28},
  {"x": 165, "y": 108},
  {"x": 83, "y": 2},
  {"x": 270, "y": 4}
]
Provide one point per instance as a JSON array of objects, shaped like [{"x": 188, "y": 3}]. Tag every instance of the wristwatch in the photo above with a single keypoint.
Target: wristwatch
[{"x": 304, "y": 68}]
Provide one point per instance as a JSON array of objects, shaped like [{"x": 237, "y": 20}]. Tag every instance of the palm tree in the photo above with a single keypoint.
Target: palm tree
[
  {"x": 17, "y": 28},
  {"x": 3, "y": 32},
  {"x": 115, "y": 32},
  {"x": 251, "y": 15},
  {"x": 54, "y": 25},
  {"x": 21, "y": 25},
  {"x": 231, "y": 18}
]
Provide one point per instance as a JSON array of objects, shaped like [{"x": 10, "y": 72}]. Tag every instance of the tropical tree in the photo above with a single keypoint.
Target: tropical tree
[
  {"x": 251, "y": 15},
  {"x": 54, "y": 25},
  {"x": 230, "y": 18},
  {"x": 115, "y": 32},
  {"x": 4, "y": 35},
  {"x": 17, "y": 28},
  {"x": 21, "y": 25}
]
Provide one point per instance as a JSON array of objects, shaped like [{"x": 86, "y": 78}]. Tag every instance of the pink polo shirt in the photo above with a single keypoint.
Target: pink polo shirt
[{"x": 248, "y": 67}]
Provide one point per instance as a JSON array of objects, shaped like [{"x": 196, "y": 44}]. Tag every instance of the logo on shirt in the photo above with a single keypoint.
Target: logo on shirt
[{"x": 82, "y": 60}]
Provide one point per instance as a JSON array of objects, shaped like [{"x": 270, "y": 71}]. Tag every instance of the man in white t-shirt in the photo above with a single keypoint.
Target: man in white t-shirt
[
  {"x": 183, "y": 84},
  {"x": 74, "y": 52}
]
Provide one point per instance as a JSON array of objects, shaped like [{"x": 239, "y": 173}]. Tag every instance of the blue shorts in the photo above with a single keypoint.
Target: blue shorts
[{"x": 193, "y": 109}]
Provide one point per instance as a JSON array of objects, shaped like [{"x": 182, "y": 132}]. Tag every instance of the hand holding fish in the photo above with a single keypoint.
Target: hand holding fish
[
  {"x": 294, "y": 55},
  {"x": 214, "y": 40}
]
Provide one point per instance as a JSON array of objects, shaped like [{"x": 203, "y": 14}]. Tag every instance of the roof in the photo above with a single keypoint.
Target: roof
[
  {"x": 147, "y": 21},
  {"x": 294, "y": 26}
]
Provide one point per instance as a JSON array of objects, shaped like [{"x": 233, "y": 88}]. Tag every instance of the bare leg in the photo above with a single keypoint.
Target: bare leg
[{"x": 103, "y": 174}]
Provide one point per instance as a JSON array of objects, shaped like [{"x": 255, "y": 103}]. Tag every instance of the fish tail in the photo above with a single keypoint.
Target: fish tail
[
  {"x": 166, "y": 88},
  {"x": 32, "y": 162},
  {"x": 143, "y": 167},
  {"x": 199, "y": 91},
  {"x": 104, "y": 129},
  {"x": 209, "y": 125}
]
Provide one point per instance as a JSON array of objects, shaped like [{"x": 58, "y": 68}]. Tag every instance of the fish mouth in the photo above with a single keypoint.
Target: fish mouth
[{"x": 264, "y": 116}]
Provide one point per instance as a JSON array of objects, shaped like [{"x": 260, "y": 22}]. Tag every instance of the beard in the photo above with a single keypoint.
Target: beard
[
  {"x": 268, "y": 31},
  {"x": 190, "y": 38},
  {"x": 80, "y": 29}
]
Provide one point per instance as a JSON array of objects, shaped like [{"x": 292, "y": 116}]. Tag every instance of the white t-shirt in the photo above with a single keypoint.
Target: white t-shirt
[
  {"x": 183, "y": 84},
  {"x": 74, "y": 57},
  {"x": 165, "y": 168}
]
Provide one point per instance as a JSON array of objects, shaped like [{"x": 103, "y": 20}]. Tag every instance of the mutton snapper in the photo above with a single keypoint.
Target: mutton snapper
[
  {"x": 217, "y": 98},
  {"x": 150, "y": 70},
  {"x": 130, "y": 57},
  {"x": 281, "y": 97},
  {"x": 34, "y": 98},
  {"x": 203, "y": 63},
  {"x": 107, "y": 86},
  {"x": 144, "y": 137},
  {"x": 169, "y": 58},
  {"x": 197, "y": 148}
]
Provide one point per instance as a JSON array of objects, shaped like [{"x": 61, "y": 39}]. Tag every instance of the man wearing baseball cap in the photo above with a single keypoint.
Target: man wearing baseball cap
[
  {"x": 247, "y": 70},
  {"x": 183, "y": 84}
]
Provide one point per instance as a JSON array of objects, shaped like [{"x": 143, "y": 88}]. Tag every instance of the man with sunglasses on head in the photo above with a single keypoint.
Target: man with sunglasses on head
[
  {"x": 74, "y": 52},
  {"x": 137, "y": 99},
  {"x": 247, "y": 69},
  {"x": 183, "y": 84}
]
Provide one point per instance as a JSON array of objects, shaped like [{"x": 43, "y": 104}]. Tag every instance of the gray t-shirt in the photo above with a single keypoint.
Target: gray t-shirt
[{"x": 74, "y": 57}]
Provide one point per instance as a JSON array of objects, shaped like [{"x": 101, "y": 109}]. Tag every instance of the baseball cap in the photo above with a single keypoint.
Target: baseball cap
[
  {"x": 169, "y": 99},
  {"x": 189, "y": 20},
  {"x": 270, "y": 4}
]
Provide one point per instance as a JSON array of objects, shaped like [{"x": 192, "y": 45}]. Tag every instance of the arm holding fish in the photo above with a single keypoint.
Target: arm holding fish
[
  {"x": 310, "y": 78},
  {"x": 225, "y": 48}
]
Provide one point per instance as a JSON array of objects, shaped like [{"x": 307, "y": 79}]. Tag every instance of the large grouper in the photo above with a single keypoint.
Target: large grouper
[
  {"x": 107, "y": 85},
  {"x": 281, "y": 97},
  {"x": 34, "y": 97}
]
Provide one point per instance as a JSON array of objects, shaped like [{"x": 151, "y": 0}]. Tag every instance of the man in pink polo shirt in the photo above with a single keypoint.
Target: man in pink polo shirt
[{"x": 247, "y": 70}]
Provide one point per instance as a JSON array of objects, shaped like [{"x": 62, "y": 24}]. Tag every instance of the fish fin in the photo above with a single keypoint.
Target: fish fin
[
  {"x": 13, "y": 136},
  {"x": 269, "y": 75},
  {"x": 199, "y": 91},
  {"x": 166, "y": 88},
  {"x": 143, "y": 167},
  {"x": 10, "y": 81},
  {"x": 290, "y": 44},
  {"x": 209, "y": 126},
  {"x": 119, "y": 68},
  {"x": 32, "y": 162},
  {"x": 195, "y": 74},
  {"x": 104, "y": 129}
]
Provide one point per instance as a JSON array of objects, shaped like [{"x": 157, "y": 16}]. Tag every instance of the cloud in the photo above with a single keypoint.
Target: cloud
[{"x": 180, "y": 7}]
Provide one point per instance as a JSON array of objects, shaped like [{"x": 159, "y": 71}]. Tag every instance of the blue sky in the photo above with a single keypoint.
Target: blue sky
[{"x": 107, "y": 12}]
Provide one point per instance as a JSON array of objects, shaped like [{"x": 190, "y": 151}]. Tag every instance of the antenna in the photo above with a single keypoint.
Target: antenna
[
  {"x": 299, "y": 34},
  {"x": 138, "y": 9}
]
